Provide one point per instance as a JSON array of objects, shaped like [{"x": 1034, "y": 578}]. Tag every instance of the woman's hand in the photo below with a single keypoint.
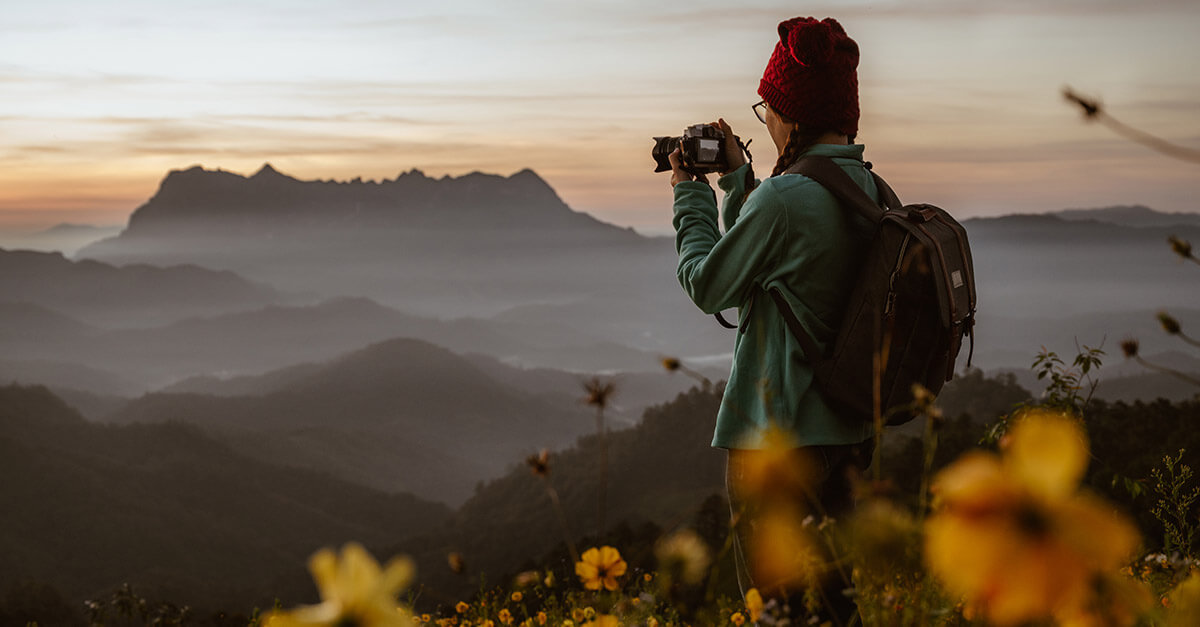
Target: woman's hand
[
  {"x": 733, "y": 152},
  {"x": 678, "y": 174}
]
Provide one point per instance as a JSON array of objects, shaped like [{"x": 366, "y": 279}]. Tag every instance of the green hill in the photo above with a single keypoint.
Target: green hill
[{"x": 88, "y": 507}]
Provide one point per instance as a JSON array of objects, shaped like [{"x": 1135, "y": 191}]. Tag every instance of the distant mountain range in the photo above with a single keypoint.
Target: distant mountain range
[
  {"x": 273, "y": 337},
  {"x": 450, "y": 247},
  {"x": 400, "y": 416},
  {"x": 64, "y": 238},
  {"x": 132, "y": 295},
  {"x": 1131, "y": 215},
  {"x": 269, "y": 202}
]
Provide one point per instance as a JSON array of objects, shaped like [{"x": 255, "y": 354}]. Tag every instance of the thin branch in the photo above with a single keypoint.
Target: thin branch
[
  {"x": 1093, "y": 110},
  {"x": 1166, "y": 370}
]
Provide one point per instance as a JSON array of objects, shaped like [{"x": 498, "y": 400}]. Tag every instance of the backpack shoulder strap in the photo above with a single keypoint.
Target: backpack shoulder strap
[
  {"x": 811, "y": 352},
  {"x": 831, "y": 176}
]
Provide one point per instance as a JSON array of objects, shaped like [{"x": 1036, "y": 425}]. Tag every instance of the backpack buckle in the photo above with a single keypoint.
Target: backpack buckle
[{"x": 920, "y": 213}]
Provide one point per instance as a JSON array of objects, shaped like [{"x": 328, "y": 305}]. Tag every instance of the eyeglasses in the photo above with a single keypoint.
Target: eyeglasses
[{"x": 760, "y": 111}]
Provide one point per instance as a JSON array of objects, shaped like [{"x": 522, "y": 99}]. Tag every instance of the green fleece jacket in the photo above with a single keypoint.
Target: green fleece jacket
[{"x": 789, "y": 233}]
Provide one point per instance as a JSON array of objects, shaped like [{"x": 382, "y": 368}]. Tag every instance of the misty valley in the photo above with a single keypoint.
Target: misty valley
[{"x": 255, "y": 367}]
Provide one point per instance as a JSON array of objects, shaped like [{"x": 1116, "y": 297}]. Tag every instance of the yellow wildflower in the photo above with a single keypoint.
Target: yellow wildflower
[
  {"x": 589, "y": 613},
  {"x": 517, "y": 596},
  {"x": 652, "y": 622},
  {"x": 779, "y": 468},
  {"x": 606, "y": 620},
  {"x": 541, "y": 618},
  {"x": 737, "y": 619},
  {"x": 600, "y": 568},
  {"x": 1184, "y": 602},
  {"x": 353, "y": 588},
  {"x": 754, "y": 604},
  {"x": 506, "y": 616},
  {"x": 462, "y": 607},
  {"x": 425, "y": 618},
  {"x": 1013, "y": 536},
  {"x": 784, "y": 553},
  {"x": 577, "y": 614}
]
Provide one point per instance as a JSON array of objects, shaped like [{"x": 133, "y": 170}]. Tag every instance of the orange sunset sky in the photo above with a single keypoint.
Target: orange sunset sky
[{"x": 961, "y": 100}]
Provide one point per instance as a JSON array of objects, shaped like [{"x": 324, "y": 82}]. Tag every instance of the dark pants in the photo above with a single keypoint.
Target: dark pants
[{"x": 829, "y": 491}]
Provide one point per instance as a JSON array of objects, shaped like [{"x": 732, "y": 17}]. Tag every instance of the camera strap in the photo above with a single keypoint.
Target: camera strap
[{"x": 723, "y": 322}]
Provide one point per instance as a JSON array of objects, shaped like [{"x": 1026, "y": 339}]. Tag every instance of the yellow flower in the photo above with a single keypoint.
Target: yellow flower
[
  {"x": 1118, "y": 600},
  {"x": 517, "y": 596},
  {"x": 600, "y": 568},
  {"x": 354, "y": 590},
  {"x": 754, "y": 604},
  {"x": 1184, "y": 602},
  {"x": 1013, "y": 536},
  {"x": 784, "y": 553},
  {"x": 462, "y": 607},
  {"x": 577, "y": 614},
  {"x": 606, "y": 620},
  {"x": 737, "y": 619},
  {"x": 506, "y": 616},
  {"x": 683, "y": 554},
  {"x": 589, "y": 613},
  {"x": 652, "y": 622},
  {"x": 541, "y": 618},
  {"x": 779, "y": 468}
]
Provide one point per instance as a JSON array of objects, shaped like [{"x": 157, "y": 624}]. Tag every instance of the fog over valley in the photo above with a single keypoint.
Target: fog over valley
[{"x": 400, "y": 347}]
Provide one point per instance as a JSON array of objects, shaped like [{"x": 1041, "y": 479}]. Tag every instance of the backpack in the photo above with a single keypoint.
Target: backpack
[{"x": 911, "y": 306}]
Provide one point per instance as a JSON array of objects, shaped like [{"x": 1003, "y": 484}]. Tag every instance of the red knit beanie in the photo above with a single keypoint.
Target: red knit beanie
[{"x": 811, "y": 77}]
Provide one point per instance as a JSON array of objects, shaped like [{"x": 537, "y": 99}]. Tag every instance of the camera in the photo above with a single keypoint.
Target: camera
[{"x": 702, "y": 148}]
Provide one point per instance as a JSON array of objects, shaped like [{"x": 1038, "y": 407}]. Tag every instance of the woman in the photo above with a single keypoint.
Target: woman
[{"x": 786, "y": 233}]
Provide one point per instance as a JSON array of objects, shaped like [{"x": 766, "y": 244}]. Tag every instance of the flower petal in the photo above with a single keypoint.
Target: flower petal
[
  {"x": 1048, "y": 453},
  {"x": 609, "y": 556}
]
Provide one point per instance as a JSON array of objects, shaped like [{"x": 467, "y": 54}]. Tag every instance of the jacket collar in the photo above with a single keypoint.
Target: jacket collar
[{"x": 837, "y": 151}]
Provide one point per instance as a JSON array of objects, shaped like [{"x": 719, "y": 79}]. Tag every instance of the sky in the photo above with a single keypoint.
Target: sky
[{"x": 961, "y": 99}]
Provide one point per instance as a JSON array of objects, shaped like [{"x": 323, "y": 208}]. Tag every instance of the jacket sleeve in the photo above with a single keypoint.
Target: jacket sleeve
[
  {"x": 736, "y": 185},
  {"x": 717, "y": 271}
]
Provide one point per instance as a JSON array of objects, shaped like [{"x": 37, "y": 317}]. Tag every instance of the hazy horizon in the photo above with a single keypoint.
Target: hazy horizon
[{"x": 962, "y": 105}]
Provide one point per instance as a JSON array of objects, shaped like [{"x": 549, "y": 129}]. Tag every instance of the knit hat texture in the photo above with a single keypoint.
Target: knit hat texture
[{"x": 812, "y": 76}]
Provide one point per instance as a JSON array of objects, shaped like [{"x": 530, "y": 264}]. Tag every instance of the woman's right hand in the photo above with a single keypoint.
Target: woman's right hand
[{"x": 733, "y": 152}]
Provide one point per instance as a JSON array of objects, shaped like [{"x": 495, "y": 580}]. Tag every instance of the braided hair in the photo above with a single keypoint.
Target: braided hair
[{"x": 800, "y": 139}]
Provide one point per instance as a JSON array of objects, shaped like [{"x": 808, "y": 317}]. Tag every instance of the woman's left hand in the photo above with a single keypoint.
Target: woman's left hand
[{"x": 678, "y": 174}]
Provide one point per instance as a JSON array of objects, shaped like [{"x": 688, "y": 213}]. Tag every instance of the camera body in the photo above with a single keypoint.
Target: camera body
[{"x": 702, "y": 148}]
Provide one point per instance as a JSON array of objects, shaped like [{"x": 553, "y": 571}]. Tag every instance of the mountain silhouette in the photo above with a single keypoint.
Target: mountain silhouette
[
  {"x": 1131, "y": 215},
  {"x": 170, "y": 510},
  {"x": 449, "y": 247},
  {"x": 193, "y": 201},
  {"x": 105, "y": 294},
  {"x": 401, "y": 415}
]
